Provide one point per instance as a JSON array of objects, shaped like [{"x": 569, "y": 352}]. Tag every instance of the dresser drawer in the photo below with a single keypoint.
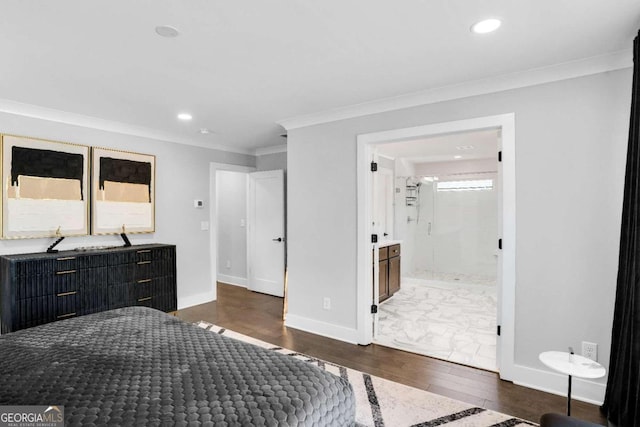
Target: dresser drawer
[
  {"x": 65, "y": 264},
  {"x": 145, "y": 288},
  {"x": 67, "y": 304},
  {"x": 65, "y": 281},
  {"x": 146, "y": 301}
]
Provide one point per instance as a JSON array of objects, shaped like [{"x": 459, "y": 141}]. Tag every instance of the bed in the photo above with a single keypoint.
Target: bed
[{"x": 140, "y": 366}]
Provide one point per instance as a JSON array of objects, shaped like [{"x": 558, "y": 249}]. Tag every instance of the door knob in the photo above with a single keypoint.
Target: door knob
[{"x": 279, "y": 239}]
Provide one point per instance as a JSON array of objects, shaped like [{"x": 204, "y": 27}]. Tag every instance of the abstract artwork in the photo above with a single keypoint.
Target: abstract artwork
[
  {"x": 123, "y": 192},
  {"x": 45, "y": 188}
]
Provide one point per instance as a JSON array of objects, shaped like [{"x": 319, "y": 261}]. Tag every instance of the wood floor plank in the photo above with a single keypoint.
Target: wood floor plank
[{"x": 260, "y": 316}]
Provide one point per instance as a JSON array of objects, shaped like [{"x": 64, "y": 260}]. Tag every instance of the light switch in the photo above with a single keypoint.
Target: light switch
[
  {"x": 204, "y": 225},
  {"x": 242, "y": 222},
  {"x": 198, "y": 204}
]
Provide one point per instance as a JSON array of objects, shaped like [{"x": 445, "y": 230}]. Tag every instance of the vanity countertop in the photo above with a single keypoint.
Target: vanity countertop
[{"x": 385, "y": 243}]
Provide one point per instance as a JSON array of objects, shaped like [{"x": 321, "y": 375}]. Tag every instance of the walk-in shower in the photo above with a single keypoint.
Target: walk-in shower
[{"x": 451, "y": 226}]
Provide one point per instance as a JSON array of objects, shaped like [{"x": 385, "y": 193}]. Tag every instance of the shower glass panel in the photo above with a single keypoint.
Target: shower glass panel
[{"x": 456, "y": 229}]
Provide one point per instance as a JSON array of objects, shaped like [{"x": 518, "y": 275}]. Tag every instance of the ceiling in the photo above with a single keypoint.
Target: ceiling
[
  {"x": 482, "y": 144},
  {"x": 239, "y": 67}
]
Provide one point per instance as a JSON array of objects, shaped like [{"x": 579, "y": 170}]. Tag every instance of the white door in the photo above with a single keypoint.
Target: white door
[{"x": 265, "y": 233}]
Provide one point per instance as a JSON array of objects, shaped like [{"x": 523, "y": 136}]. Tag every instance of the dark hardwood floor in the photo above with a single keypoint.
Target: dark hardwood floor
[{"x": 260, "y": 316}]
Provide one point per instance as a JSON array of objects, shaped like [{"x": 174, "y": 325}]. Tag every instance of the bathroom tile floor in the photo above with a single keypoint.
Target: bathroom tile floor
[{"x": 450, "y": 320}]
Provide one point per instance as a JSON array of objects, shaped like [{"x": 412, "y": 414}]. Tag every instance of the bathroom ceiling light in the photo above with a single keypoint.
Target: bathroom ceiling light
[
  {"x": 457, "y": 157},
  {"x": 205, "y": 131},
  {"x": 167, "y": 31},
  {"x": 185, "y": 117},
  {"x": 486, "y": 26},
  {"x": 465, "y": 147}
]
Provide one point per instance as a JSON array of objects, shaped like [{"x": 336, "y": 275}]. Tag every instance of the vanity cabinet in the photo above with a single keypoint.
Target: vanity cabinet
[
  {"x": 45, "y": 287},
  {"x": 389, "y": 271}
]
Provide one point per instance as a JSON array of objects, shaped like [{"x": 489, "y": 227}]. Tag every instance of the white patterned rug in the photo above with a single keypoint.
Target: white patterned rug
[{"x": 381, "y": 402}]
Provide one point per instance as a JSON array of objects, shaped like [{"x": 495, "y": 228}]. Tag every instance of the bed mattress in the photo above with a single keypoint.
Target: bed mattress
[{"x": 139, "y": 366}]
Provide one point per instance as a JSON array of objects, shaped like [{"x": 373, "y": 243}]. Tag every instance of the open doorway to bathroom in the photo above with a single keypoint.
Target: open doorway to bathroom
[{"x": 446, "y": 195}]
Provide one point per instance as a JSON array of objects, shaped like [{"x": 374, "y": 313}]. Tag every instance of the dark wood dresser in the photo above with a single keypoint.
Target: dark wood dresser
[{"x": 42, "y": 287}]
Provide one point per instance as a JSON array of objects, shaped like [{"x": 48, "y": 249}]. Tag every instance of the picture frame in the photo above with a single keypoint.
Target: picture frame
[
  {"x": 122, "y": 192},
  {"x": 45, "y": 191}
]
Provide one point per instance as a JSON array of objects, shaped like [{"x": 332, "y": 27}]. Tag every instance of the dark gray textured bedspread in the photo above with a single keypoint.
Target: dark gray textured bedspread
[{"x": 139, "y": 366}]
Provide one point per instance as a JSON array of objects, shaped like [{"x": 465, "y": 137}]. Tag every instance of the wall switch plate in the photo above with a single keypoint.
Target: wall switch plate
[
  {"x": 326, "y": 303},
  {"x": 590, "y": 350},
  {"x": 199, "y": 204},
  {"x": 228, "y": 264},
  {"x": 242, "y": 223},
  {"x": 204, "y": 225}
]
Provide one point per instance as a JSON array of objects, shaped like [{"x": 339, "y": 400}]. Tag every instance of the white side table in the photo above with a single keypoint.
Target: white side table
[{"x": 572, "y": 365}]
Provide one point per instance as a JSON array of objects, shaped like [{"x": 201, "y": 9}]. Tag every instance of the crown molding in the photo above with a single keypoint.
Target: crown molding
[
  {"x": 274, "y": 149},
  {"x": 563, "y": 71},
  {"x": 66, "y": 117}
]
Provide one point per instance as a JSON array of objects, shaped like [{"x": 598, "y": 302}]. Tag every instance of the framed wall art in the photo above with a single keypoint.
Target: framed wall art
[
  {"x": 123, "y": 192},
  {"x": 45, "y": 188}
]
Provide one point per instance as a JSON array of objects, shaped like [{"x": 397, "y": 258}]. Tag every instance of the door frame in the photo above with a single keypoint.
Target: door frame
[
  {"x": 213, "y": 217},
  {"x": 366, "y": 144}
]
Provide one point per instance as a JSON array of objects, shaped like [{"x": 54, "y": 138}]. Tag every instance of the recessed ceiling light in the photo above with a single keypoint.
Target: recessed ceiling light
[
  {"x": 457, "y": 157},
  {"x": 205, "y": 131},
  {"x": 185, "y": 116},
  {"x": 465, "y": 147},
  {"x": 167, "y": 31},
  {"x": 486, "y": 26}
]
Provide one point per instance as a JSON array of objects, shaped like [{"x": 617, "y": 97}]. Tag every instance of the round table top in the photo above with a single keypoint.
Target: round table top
[{"x": 572, "y": 364}]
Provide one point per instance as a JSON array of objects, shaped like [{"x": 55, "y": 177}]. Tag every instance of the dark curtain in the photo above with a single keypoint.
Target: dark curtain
[{"x": 622, "y": 399}]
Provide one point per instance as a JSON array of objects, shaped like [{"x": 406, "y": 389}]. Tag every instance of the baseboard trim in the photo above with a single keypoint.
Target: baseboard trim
[
  {"x": 190, "y": 301},
  {"x": 556, "y": 383},
  {"x": 232, "y": 280},
  {"x": 322, "y": 328}
]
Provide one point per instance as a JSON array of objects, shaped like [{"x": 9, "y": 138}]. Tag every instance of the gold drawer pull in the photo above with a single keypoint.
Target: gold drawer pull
[
  {"x": 65, "y": 258},
  {"x": 66, "y": 315},
  {"x": 144, "y": 280},
  {"x": 66, "y": 272},
  {"x": 144, "y": 262},
  {"x": 144, "y": 299},
  {"x": 64, "y": 294},
  {"x": 144, "y": 251}
]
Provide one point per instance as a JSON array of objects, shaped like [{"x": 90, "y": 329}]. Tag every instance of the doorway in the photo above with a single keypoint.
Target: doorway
[
  {"x": 231, "y": 268},
  {"x": 247, "y": 228},
  {"x": 446, "y": 233},
  {"x": 366, "y": 147}
]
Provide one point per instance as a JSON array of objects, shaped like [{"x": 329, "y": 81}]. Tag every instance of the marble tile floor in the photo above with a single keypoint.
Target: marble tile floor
[{"x": 450, "y": 320}]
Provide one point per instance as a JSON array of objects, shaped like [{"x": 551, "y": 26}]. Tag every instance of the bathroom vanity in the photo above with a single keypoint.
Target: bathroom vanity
[{"x": 389, "y": 269}]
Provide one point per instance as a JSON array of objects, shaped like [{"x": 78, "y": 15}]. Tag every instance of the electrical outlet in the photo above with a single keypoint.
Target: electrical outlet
[
  {"x": 326, "y": 303},
  {"x": 228, "y": 264},
  {"x": 590, "y": 350}
]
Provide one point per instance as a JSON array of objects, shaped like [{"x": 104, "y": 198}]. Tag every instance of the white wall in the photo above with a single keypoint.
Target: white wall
[
  {"x": 571, "y": 141},
  {"x": 182, "y": 174},
  {"x": 269, "y": 162},
  {"x": 231, "y": 194}
]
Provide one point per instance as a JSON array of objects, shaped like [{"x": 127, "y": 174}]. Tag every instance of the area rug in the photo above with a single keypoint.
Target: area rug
[{"x": 381, "y": 402}]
